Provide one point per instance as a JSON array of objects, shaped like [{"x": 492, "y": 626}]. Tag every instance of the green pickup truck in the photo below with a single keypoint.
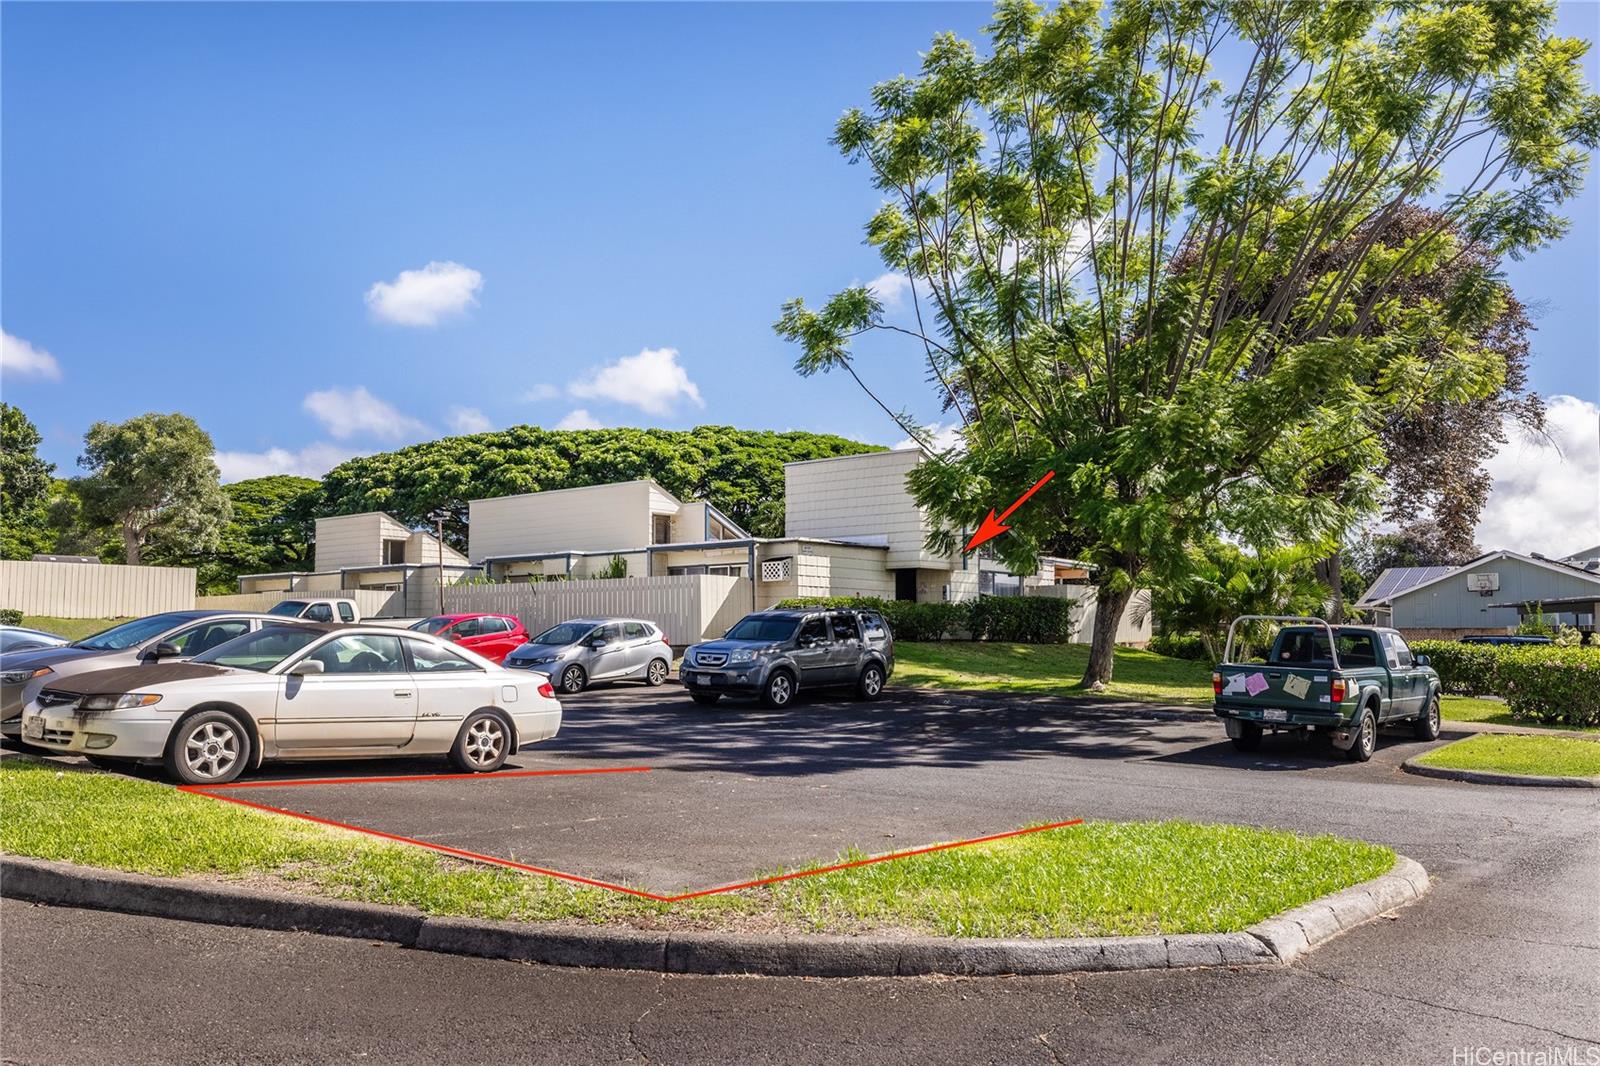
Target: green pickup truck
[{"x": 1342, "y": 681}]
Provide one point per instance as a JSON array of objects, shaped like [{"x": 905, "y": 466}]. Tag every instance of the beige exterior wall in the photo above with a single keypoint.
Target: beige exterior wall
[
  {"x": 593, "y": 518},
  {"x": 355, "y": 539},
  {"x": 94, "y": 590},
  {"x": 859, "y": 496}
]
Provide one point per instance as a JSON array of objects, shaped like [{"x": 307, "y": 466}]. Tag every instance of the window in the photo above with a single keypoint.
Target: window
[
  {"x": 263, "y": 649},
  {"x": 207, "y": 635},
  {"x": 467, "y": 627},
  {"x": 611, "y": 634},
  {"x": 365, "y": 654},
  {"x": 1303, "y": 647},
  {"x": 634, "y": 631},
  {"x": 346, "y": 612},
  {"x": 719, "y": 531},
  {"x": 763, "y": 628},
  {"x": 319, "y": 612},
  {"x": 565, "y": 633},
  {"x": 844, "y": 626},
  {"x": 814, "y": 630},
  {"x": 394, "y": 552},
  {"x": 128, "y": 634},
  {"x": 493, "y": 625},
  {"x": 430, "y": 659},
  {"x": 874, "y": 627},
  {"x": 660, "y": 529},
  {"x": 288, "y": 608},
  {"x": 1402, "y": 652}
]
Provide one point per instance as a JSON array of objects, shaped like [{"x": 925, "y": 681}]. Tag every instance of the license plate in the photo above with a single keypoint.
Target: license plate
[
  {"x": 1273, "y": 715},
  {"x": 33, "y": 728}
]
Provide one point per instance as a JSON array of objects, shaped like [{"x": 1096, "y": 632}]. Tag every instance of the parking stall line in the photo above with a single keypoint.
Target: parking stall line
[{"x": 407, "y": 778}]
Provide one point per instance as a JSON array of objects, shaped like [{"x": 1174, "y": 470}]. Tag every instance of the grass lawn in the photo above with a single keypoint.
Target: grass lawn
[
  {"x": 1495, "y": 712},
  {"x": 1048, "y": 669},
  {"x": 1509, "y": 753},
  {"x": 71, "y": 628},
  {"x": 1099, "y": 879}
]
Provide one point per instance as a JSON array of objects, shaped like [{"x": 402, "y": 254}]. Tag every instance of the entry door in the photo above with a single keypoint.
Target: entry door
[
  {"x": 905, "y": 585},
  {"x": 814, "y": 652},
  {"x": 364, "y": 698}
]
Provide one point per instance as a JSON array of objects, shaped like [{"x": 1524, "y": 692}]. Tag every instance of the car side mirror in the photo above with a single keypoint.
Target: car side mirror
[
  {"x": 307, "y": 667},
  {"x": 598, "y": 642},
  {"x": 1422, "y": 660},
  {"x": 161, "y": 651}
]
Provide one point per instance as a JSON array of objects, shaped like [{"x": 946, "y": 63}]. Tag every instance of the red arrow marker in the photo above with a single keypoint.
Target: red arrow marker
[{"x": 992, "y": 527}]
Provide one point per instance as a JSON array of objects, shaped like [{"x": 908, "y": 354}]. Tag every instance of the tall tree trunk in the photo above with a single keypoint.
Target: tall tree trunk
[
  {"x": 1328, "y": 572},
  {"x": 1108, "y": 608},
  {"x": 131, "y": 545}
]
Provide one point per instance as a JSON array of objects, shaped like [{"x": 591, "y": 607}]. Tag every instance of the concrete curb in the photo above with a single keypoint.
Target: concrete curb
[
  {"x": 1280, "y": 939},
  {"x": 1486, "y": 777}
]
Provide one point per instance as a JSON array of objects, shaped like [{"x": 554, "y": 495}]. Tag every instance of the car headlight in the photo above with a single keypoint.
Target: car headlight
[
  {"x": 22, "y": 677},
  {"x": 119, "y": 703},
  {"x": 742, "y": 657}
]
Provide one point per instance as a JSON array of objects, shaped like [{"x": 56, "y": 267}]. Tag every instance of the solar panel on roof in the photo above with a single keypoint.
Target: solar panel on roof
[{"x": 1397, "y": 579}]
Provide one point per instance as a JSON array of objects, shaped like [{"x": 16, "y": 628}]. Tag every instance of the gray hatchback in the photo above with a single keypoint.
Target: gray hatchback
[
  {"x": 774, "y": 654},
  {"x": 581, "y": 650}
]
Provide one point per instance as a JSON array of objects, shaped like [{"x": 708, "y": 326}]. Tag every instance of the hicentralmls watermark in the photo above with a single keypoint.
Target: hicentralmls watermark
[{"x": 1566, "y": 1055}]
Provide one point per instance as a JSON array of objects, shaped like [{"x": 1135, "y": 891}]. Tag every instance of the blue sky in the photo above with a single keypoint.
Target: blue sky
[{"x": 200, "y": 200}]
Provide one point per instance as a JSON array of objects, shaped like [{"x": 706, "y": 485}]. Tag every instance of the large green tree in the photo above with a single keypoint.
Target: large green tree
[
  {"x": 270, "y": 530},
  {"x": 1118, "y": 230},
  {"x": 152, "y": 476},
  {"x": 25, "y": 482},
  {"x": 740, "y": 471}
]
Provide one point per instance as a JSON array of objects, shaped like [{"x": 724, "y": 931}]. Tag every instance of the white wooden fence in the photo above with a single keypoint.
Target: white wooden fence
[
  {"x": 688, "y": 608},
  {"x": 94, "y": 590},
  {"x": 372, "y": 603}
]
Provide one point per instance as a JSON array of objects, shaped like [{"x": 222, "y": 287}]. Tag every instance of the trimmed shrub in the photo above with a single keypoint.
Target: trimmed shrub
[
  {"x": 1022, "y": 619},
  {"x": 1463, "y": 669},
  {"x": 1551, "y": 684},
  {"x": 1180, "y": 646},
  {"x": 10, "y": 616},
  {"x": 907, "y": 620}
]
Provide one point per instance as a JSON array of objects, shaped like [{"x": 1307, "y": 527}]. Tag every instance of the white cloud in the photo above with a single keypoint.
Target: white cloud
[
  {"x": 469, "y": 420},
  {"x": 653, "y": 381},
  {"x": 540, "y": 393},
  {"x": 22, "y": 359},
  {"x": 891, "y": 290},
  {"x": 1546, "y": 495},
  {"x": 580, "y": 419},
  {"x": 423, "y": 297},
  {"x": 943, "y": 437},
  {"x": 314, "y": 460},
  {"x": 356, "y": 412}
]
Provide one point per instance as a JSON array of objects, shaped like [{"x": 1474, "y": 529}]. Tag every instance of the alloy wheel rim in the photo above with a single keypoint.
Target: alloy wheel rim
[
  {"x": 780, "y": 689},
  {"x": 211, "y": 750},
  {"x": 572, "y": 681},
  {"x": 1368, "y": 734},
  {"x": 658, "y": 673},
  {"x": 485, "y": 739},
  {"x": 1433, "y": 714},
  {"x": 874, "y": 682}
]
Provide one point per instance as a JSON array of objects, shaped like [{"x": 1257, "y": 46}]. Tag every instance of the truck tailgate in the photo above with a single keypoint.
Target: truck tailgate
[{"x": 1266, "y": 688}]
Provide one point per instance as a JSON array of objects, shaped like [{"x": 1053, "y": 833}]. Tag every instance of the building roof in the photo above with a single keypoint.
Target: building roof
[
  {"x": 584, "y": 488},
  {"x": 1587, "y": 555},
  {"x": 1560, "y": 568},
  {"x": 1397, "y": 579}
]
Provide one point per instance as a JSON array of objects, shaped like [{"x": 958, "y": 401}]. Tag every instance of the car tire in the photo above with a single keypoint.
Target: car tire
[
  {"x": 573, "y": 680},
  {"x": 656, "y": 673},
  {"x": 208, "y": 748},
  {"x": 1428, "y": 724},
  {"x": 705, "y": 699},
  {"x": 1366, "y": 740},
  {"x": 870, "y": 685},
  {"x": 483, "y": 744},
  {"x": 1249, "y": 738},
  {"x": 779, "y": 690}
]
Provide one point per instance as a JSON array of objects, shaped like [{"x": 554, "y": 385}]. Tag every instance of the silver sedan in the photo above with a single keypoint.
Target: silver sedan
[
  {"x": 584, "y": 650},
  {"x": 298, "y": 692}
]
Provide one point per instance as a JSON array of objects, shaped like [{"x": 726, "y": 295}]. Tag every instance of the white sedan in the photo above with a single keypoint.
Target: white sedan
[{"x": 298, "y": 692}]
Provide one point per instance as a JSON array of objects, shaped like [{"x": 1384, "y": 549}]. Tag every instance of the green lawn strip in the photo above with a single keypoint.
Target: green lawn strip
[
  {"x": 1053, "y": 669},
  {"x": 1100, "y": 879},
  {"x": 1513, "y": 753},
  {"x": 71, "y": 628},
  {"x": 1495, "y": 712}
]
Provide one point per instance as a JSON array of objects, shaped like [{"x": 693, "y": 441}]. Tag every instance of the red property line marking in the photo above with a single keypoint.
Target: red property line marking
[{"x": 214, "y": 792}]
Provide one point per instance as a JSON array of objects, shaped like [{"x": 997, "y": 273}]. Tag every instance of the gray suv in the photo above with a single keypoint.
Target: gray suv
[{"x": 774, "y": 654}]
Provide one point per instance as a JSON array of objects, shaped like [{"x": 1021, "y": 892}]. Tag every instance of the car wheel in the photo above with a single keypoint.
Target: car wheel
[
  {"x": 209, "y": 748},
  {"x": 656, "y": 674},
  {"x": 1249, "y": 738},
  {"x": 482, "y": 745},
  {"x": 778, "y": 690},
  {"x": 1427, "y": 726},
  {"x": 1366, "y": 741},
  {"x": 870, "y": 686},
  {"x": 573, "y": 679},
  {"x": 705, "y": 699}
]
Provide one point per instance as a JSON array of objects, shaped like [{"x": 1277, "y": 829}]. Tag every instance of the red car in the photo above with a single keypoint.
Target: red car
[{"x": 493, "y": 636}]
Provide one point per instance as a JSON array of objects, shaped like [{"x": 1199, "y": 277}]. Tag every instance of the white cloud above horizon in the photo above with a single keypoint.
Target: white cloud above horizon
[
  {"x": 943, "y": 437},
  {"x": 424, "y": 297},
  {"x": 653, "y": 381},
  {"x": 314, "y": 460},
  {"x": 346, "y": 413},
  {"x": 22, "y": 359},
  {"x": 579, "y": 418},
  {"x": 469, "y": 420},
  {"x": 891, "y": 289},
  {"x": 540, "y": 393},
  {"x": 1546, "y": 493}
]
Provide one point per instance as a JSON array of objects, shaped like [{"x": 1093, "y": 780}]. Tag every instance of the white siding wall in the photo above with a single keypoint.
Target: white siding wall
[
  {"x": 594, "y": 518},
  {"x": 424, "y": 547},
  {"x": 94, "y": 590},
  {"x": 859, "y": 496},
  {"x": 354, "y": 540}
]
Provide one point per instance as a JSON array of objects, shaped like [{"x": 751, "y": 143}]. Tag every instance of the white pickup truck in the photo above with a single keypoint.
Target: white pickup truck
[{"x": 318, "y": 609}]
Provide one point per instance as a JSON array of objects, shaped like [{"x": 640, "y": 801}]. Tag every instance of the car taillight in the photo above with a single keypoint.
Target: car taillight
[
  {"x": 1337, "y": 694},
  {"x": 1216, "y": 682},
  {"x": 546, "y": 691}
]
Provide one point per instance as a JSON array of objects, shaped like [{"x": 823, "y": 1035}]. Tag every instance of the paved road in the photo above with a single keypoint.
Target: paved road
[{"x": 1505, "y": 953}]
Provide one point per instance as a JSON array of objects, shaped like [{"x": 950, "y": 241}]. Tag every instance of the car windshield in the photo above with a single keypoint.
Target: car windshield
[
  {"x": 290, "y": 608},
  {"x": 758, "y": 628},
  {"x": 432, "y": 625},
  {"x": 261, "y": 650},
  {"x": 565, "y": 633},
  {"x": 135, "y": 632}
]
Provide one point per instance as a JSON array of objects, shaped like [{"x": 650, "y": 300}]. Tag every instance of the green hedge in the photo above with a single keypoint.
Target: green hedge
[
  {"x": 1019, "y": 619},
  {"x": 1180, "y": 646},
  {"x": 10, "y": 616},
  {"x": 1546, "y": 683}
]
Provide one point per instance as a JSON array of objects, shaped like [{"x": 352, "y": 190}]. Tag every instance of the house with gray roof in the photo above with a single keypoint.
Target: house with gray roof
[{"x": 1489, "y": 595}]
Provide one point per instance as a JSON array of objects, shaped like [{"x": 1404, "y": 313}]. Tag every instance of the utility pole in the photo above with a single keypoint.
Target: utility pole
[{"x": 438, "y": 517}]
